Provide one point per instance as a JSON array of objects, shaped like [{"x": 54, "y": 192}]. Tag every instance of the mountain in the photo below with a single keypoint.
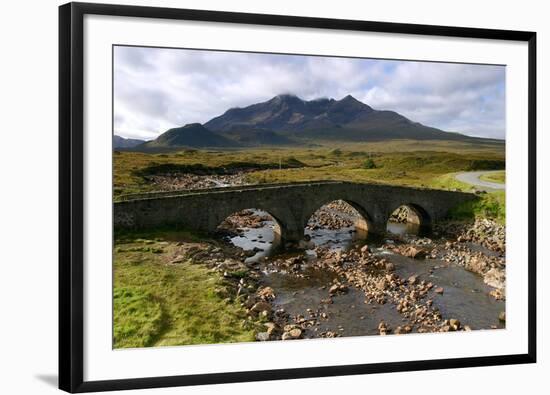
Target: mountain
[
  {"x": 121, "y": 142},
  {"x": 289, "y": 120},
  {"x": 255, "y": 137},
  {"x": 290, "y": 113},
  {"x": 192, "y": 135},
  {"x": 347, "y": 119}
]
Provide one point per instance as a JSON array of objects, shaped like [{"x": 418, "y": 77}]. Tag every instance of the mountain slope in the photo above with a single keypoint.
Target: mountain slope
[
  {"x": 289, "y": 120},
  {"x": 193, "y": 135},
  {"x": 347, "y": 119},
  {"x": 257, "y": 137},
  {"x": 121, "y": 142},
  {"x": 290, "y": 113}
]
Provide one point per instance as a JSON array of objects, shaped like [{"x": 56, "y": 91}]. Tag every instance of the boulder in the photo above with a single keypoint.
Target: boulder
[
  {"x": 476, "y": 265},
  {"x": 294, "y": 333},
  {"x": 337, "y": 288},
  {"x": 383, "y": 328},
  {"x": 414, "y": 252},
  {"x": 495, "y": 278},
  {"x": 262, "y": 336},
  {"x": 178, "y": 259},
  {"x": 381, "y": 284},
  {"x": 260, "y": 307},
  {"x": 454, "y": 324},
  {"x": 267, "y": 293}
]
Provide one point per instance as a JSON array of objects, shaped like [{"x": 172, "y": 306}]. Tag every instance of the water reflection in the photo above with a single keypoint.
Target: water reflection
[
  {"x": 335, "y": 238},
  {"x": 403, "y": 228},
  {"x": 263, "y": 240}
]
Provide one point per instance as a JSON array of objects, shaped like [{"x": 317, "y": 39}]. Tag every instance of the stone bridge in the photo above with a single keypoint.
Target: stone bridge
[{"x": 291, "y": 205}]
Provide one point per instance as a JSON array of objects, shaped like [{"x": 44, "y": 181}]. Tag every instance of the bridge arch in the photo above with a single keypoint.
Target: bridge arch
[
  {"x": 251, "y": 217},
  {"x": 417, "y": 218},
  {"x": 354, "y": 213}
]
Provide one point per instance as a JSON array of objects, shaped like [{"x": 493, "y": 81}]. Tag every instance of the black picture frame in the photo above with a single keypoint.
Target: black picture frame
[{"x": 71, "y": 172}]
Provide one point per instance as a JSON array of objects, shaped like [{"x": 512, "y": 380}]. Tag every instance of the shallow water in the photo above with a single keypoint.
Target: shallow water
[
  {"x": 400, "y": 229},
  {"x": 465, "y": 294},
  {"x": 264, "y": 239},
  {"x": 348, "y": 315}
]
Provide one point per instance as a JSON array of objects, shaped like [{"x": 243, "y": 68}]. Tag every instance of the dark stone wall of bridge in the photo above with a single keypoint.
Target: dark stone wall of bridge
[{"x": 291, "y": 205}]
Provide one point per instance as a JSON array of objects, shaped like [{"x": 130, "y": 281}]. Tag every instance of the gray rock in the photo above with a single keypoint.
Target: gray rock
[{"x": 262, "y": 336}]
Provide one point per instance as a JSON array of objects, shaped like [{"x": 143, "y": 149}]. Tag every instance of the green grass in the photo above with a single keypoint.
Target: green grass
[
  {"x": 489, "y": 205},
  {"x": 138, "y": 317},
  {"x": 400, "y": 162},
  {"x": 420, "y": 169},
  {"x": 498, "y": 177},
  {"x": 429, "y": 164},
  {"x": 449, "y": 181},
  {"x": 157, "y": 303},
  {"x": 369, "y": 164}
]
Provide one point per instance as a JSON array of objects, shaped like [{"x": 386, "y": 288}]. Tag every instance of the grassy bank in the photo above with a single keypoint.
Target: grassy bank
[
  {"x": 489, "y": 205},
  {"x": 158, "y": 302},
  {"x": 498, "y": 177}
]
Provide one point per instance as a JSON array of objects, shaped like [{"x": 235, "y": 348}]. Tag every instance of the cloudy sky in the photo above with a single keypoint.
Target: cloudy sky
[{"x": 157, "y": 89}]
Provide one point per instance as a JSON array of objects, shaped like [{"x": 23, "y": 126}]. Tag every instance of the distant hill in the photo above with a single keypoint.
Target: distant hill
[
  {"x": 121, "y": 142},
  {"x": 289, "y": 120},
  {"x": 192, "y": 135}
]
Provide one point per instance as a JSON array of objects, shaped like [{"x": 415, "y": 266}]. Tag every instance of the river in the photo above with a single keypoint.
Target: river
[{"x": 465, "y": 297}]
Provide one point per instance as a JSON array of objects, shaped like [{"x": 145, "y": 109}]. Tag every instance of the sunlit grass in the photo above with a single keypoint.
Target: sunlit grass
[
  {"x": 498, "y": 177},
  {"x": 157, "y": 303},
  {"x": 489, "y": 205},
  {"x": 137, "y": 316},
  {"x": 399, "y": 162}
]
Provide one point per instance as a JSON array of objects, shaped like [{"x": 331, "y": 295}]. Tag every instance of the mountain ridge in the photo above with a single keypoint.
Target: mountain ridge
[
  {"x": 289, "y": 120},
  {"x": 123, "y": 142}
]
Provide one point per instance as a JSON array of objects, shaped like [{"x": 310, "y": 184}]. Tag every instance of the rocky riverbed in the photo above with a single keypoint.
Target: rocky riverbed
[
  {"x": 238, "y": 223},
  {"x": 453, "y": 281},
  {"x": 179, "y": 181},
  {"x": 335, "y": 215}
]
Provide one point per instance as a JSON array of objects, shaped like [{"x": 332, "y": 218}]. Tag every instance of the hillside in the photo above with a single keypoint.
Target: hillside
[
  {"x": 347, "y": 119},
  {"x": 121, "y": 142},
  {"x": 193, "y": 135},
  {"x": 287, "y": 120}
]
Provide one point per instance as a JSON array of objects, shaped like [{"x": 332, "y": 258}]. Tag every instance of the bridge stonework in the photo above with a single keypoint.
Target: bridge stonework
[{"x": 290, "y": 204}]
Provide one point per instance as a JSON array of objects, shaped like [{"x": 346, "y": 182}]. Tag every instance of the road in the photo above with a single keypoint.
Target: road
[{"x": 472, "y": 177}]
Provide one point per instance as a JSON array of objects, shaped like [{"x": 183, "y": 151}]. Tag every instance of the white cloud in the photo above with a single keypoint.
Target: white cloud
[{"x": 156, "y": 89}]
